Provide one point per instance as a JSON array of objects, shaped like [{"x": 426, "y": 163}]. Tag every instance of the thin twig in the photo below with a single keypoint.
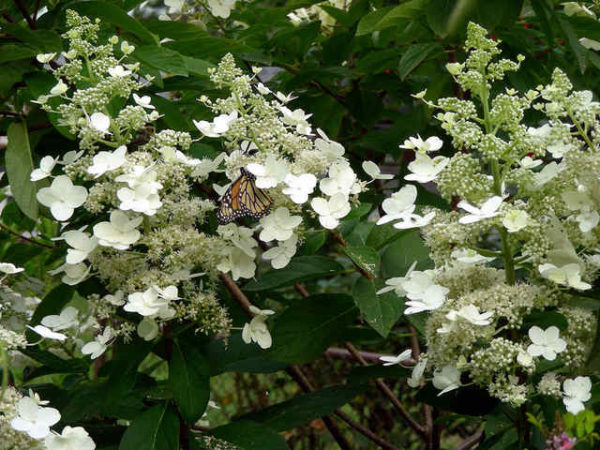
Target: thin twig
[
  {"x": 19, "y": 4},
  {"x": 470, "y": 442},
  {"x": 343, "y": 243},
  {"x": 31, "y": 240},
  {"x": 237, "y": 293},
  {"x": 364, "y": 431}
]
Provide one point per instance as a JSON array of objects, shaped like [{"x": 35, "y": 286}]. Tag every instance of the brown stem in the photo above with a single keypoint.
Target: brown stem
[
  {"x": 237, "y": 293},
  {"x": 364, "y": 431},
  {"x": 21, "y": 7},
  {"x": 470, "y": 442},
  {"x": 23, "y": 238},
  {"x": 343, "y": 243},
  {"x": 342, "y": 353}
]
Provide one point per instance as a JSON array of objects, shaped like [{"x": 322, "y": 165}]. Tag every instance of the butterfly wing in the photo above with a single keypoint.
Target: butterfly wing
[
  {"x": 254, "y": 201},
  {"x": 243, "y": 199}
]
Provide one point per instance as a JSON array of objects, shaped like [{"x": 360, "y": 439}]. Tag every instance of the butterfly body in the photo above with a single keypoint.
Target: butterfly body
[{"x": 243, "y": 199}]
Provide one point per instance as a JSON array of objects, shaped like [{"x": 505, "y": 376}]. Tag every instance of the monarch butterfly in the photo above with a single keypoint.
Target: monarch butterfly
[{"x": 243, "y": 199}]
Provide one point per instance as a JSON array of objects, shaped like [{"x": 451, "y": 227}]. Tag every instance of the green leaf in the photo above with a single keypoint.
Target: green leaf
[
  {"x": 162, "y": 58},
  {"x": 301, "y": 268},
  {"x": 112, "y": 15},
  {"x": 54, "y": 363},
  {"x": 44, "y": 41},
  {"x": 382, "y": 235},
  {"x": 310, "y": 325},
  {"x": 53, "y": 302},
  {"x": 400, "y": 254},
  {"x": 18, "y": 169},
  {"x": 237, "y": 356},
  {"x": 414, "y": 56},
  {"x": 250, "y": 436},
  {"x": 545, "y": 319},
  {"x": 155, "y": 429},
  {"x": 13, "y": 52},
  {"x": 189, "y": 379},
  {"x": 389, "y": 16},
  {"x": 593, "y": 363},
  {"x": 578, "y": 49},
  {"x": 380, "y": 311},
  {"x": 364, "y": 374},
  {"x": 305, "y": 407},
  {"x": 364, "y": 257}
]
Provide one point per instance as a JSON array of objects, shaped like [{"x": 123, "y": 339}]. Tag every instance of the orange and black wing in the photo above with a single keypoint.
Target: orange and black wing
[{"x": 243, "y": 199}]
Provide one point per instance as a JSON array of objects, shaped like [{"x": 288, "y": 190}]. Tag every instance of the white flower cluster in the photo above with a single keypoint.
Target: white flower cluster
[
  {"x": 217, "y": 8},
  {"x": 524, "y": 197}
]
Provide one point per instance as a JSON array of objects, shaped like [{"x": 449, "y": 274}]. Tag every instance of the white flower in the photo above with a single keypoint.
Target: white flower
[
  {"x": 278, "y": 225},
  {"x": 515, "y": 220},
  {"x": 447, "y": 379},
  {"x": 587, "y": 221},
  {"x": 469, "y": 256},
  {"x": 241, "y": 237},
  {"x": 269, "y": 174},
  {"x": 528, "y": 163},
  {"x": 488, "y": 210},
  {"x": 47, "y": 163},
  {"x": 425, "y": 169},
  {"x": 281, "y": 254},
  {"x": 127, "y": 48},
  {"x": 99, "y": 345},
  {"x": 285, "y": 98},
  {"x": 342, "y": 179},
  {"x": 238, "y": 262},
  {"x": 414, "y": 221},
  {"x": 107, "y": 161},
  {"x": 148, "y": 303},
  {"x": 332, "y": 150},
  {"x": 168, "y": 293},
  {"x": 66, "y": 319},
  {"x": 141, "y": 176},
  {"x": 120, "y": 232},
  {"x": 174, "y": 6},
  {"x": 590, "y": 43},
  {"x": 546, "y": 343},
  {"x": 399, "y": 205},
  {"x": 431, "y": 144},
  {"x": 115, "y": 299},
  {"x": 256, "y": 330},
  {"x": 525, "y": 359},
  {"x": 10, "y": 268},
  {"x": 73, "y": 273},
  {"x": 559, "y": 149},
  {"x": 299, "y": 187},
  {"x": 70, "y": 439},
  {"x": 100, "y": 121},
  {"x": 219, "y": 125},
  {"x": 577, "y": 200},
  {"x": 118, "y": 72},
  {"x": 471, "y": 314},
  {"x": 576, "y": 392},
  {"x": 549, "y": 171},
  {"x": 374, "y": 172},
  {"x": 567, "y": 275},
  {"x": 62, "y": 197},
  {"x": 205, "y": 166},
  {"x": 142, "y": 199},
  {"x": 147, "y": 329},
  {"x": 82, "y": 245},
  {"x": 47, "y": 333},
  {"x": 330, "y": 211},
  {"x": 45, "y": 57},
  {"x": 221, "y": 8},
  {"x": 262, "y": 89},
  {"x": 34, "y": 419},
  {"x": 396, "y": 284},
  {"x": 297, "y": 118},
  {"x": 59, "y": 88},
  {"x": 143, "y": 101},
  {"x": 541, "y": 132},
  {"x": 392, "y": 360},
  {"x": 431, "y": 298},
  {"x": 417, "y": 373},
  {"x": 70, "y": 157}
]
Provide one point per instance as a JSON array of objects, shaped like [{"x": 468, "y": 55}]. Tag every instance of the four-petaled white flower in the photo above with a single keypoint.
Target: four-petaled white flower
[
  {"x": 341, "y": 179},
  {"x": 529, "y": 163},
  {"x": 278, "y": 225},
  {"x": 331, "y": 150},
  {"x": 256, "y": 330},
  {"x": 147, "y": 329},
  {"x": 118, "y": 72},
  {"x": 70, "y": 439},
  {"x": 100, "y": 121},
  {"x": 10, "y": 268},
  {"x": 420, "y": 289},
  {"x": 488, "y": 210},
  {"x": 396, "y": 284},
  {"x": 392, "y": 360},
  {"x": 587, "y": 220},
  {"x": 297, "y": 118},
  {"x": 120, "y": 232},
  {"x": 431, "y": 144},
  {"x": 99, "y": 345},
  {"x": 218, "y": 127},
  {"x": 149, "y": 303},
  {"x": 82, "y": 244},
  {"x": 143, "y": 101},
  {"x": 425, "y": 169},
  {"x": 168, "y": 293},
  {"x": 47, "y": 163},
  {"x": 66, "y": 319},
  {"x": 374, "y": 171},
  {"x": 221, "y": 8},
  {"x": 47, "y": 333},
  {"x": 70, "y": 157},
  {"x": 469, "y": 256},
  {"x": 45, "y": 57},
  {"x": 73, "y": 273},
  {"x": 471, "y": 314},
  {"x": 417, "y": 373},
  {"x": 546, "y": 343},
  {"x": 142, "y": 193},
  {"x": 576, "y": 391},
  {"x": 205, "y": 166},
  {"x": 238, "y": 262},
  {"x": 447, "y": 379},
  {"x": 281, "y": 254},
  {"x": 285, "y": 98},
  {"x": 59, "y": 88},
  {"x": 107, "y": 161},
  {"x": 269, "y": 174},
  {"x": 515, "y": 220},
  {"x": 34, "y": 419},
  {"x": 62, "y": 197},
  {"x": 432, "y": 298},
  {"x": 299, "y": 187},
  {"x": 399, "y": 205},
  {"x": 330, "y": 211},
  {"x": 567, "y": 275},
  {"x": 414, "y": 221}
]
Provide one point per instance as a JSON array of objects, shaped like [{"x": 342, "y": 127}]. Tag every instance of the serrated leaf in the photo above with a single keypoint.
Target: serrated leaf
[
  {"x": 364, "y": 257},
  {"x": 301, "y": 268},
  {"x": 189, "y": 379},
  {"x": 155, "y": 429},
  {"x": 380, "y": 311},
  {"x": 162, "y": 58},
  {"x": 250, "y": 436},
  {"x": 414, "y": 56},
  {"x": 18, "y": 169}
]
